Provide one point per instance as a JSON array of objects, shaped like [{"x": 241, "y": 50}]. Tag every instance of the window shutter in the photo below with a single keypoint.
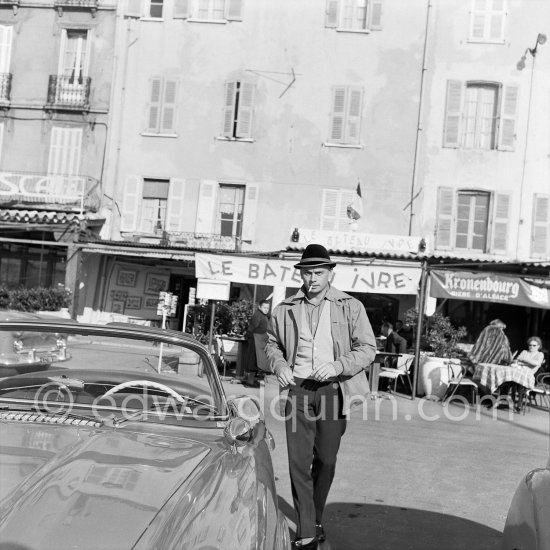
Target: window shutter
[
  {"x": 500, "y": 223},
  {"x": 496, "y": 26},
  {"x": 354, "y": 115},
  {"x": 540, "y": 238},
  {"x": 174, "y": 208},
  {"x": 375, "y": 15},
  {"x": 133, "y": 8},
  {"x": 6, "y": 34},
  {"x": 234, "y": 10},
  {"x": 246, "y": 105},
  {"x": 153, "y": 123},
  {"x": 331, "y": 14},
  {"x": 329, "y": 210},
  {"x": 337, "y": 116},
  {"x": 65, "y": 148},
  {"x": 1, "y": 141},
  {"x": 444, "y": 228},
  {"x": 453, "y": 114},
  {"x": 206, "y": 207},
  {"x": 507, "y": 135},
  {"x": 250, "y": 211},
  {"x": 131, "y": 201},
  {"x": 168, "y": 118},
  {"x": 181, "y": 9},
  {"x": 229, "y": 109}
]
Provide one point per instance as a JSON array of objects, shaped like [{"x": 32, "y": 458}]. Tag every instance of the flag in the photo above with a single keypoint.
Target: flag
[{"x": 355, "y": 208}]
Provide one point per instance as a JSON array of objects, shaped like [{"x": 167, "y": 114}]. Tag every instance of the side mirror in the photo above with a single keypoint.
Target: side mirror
[
  {"x": 238, "y": 432},
  {"x": 246, "y": 407}
]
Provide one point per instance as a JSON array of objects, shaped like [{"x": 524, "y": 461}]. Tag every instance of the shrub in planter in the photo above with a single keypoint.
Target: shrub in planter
[{"x": 35, "y": 299}]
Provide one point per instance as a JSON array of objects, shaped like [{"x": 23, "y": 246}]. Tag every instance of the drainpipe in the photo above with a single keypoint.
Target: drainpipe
[{"x": 419, "y": 119}]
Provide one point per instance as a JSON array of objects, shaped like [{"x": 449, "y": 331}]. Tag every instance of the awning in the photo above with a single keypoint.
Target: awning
[
  {"x": 141, "y": 252},
  {"x": 377, "y": 278},
  {"x": 490, "y": 287}
]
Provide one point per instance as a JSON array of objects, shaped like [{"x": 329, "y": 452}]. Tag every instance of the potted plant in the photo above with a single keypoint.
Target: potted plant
[
  {"x": 51, "y": 301},
  {"x": 439, "y": 347}
]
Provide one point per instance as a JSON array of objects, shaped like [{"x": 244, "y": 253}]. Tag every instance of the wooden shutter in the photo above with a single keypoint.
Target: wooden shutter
[
  {"x": 206, "y": 207},
  {"x": 1, "y": 141},
  {"x": 250, "y": 211},
  {"x": 338, "y": 115},
  {"x": 540, "y": 233},
  {"x": 507, "y": 133},
  {"x": 133, "y": 8},
  {"x": 234, "y": 10},
  {"x": 501, "y": 216},
  {"x": 181, "y": 9},
  {"x": 355, "y": 108},
  {"x": 445, "y": 211},
  {"x": 65, "y": 151},
  {"x": 329, "y": 210},
  {"x": 174, "y": 208},
  {"x": 155, "y": 97},
  {"x": 131, "y": 202},
  {"x": 246, "y": 106},
  {"x": 168, "y": 116},
  {"x": 375, "y": 15},
  {"x": 331, "y": 13},
  {"x": 229, "y": 109},
  {"x": 453, "y": 114},
  {"x": 6, "y": 34}
]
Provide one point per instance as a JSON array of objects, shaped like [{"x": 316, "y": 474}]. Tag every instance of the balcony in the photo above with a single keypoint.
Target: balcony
[
  {"x": 5, "y": 88},
  {"x": 60, "y": 5},
  {"x": 75, "y": 193},
  {"x": 206, "y": 241},
  {"x": 14, "y": 4},
  {"x": 69, "y": 93}
]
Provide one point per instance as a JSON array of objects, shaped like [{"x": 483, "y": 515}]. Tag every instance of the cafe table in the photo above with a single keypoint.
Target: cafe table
[
  {"x": 493, "y": 376},
  {"x": 374, "y": 371}
]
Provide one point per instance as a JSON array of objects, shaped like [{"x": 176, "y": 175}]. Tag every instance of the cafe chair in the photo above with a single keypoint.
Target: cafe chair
[
  {"x": 401, "y": 369},
  {"x": 541, "y": 389},
  {"x": 458, "y": 379},
  {"x": 228, "y": 352}
]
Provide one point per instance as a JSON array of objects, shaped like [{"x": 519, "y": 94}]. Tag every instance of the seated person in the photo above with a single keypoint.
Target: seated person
[
  {"x": 533, "y": 356},
  {"x": 394, "y": 342},
  {"x": 492, "y": 345},
  {"x": 404, "y": 331}
]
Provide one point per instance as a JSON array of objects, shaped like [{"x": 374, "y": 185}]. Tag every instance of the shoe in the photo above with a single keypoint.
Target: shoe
[
  {"x": 321, "y": 536},
  {"x": 250, "y": 384},
  {"x": 299, "y": 545}
]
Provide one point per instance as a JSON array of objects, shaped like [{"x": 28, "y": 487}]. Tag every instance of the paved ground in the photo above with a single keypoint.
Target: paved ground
[{"x": 413, "y": 475}]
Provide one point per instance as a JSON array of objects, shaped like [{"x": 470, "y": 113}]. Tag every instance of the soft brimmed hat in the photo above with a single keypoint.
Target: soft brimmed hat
[{"x": 315, "y": 255}]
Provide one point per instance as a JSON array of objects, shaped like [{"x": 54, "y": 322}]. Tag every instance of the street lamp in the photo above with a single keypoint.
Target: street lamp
[{"x": 541, "y": 39}]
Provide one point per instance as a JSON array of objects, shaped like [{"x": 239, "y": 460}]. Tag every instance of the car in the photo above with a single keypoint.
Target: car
[
  {"x": 133, "y": 444},
  {"x": 22, "y": 352},
  {"x": 527, "y": 526}
]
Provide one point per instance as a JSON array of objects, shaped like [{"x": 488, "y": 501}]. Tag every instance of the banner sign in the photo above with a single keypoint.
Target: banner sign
[
  {"x": 377, "y": 279},
  {"x": 490, "y": 287}
]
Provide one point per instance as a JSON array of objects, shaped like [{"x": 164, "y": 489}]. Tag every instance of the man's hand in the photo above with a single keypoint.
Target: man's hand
[
  {"x": 325, "y": 372},
  {"x": 285, "y": 377}
]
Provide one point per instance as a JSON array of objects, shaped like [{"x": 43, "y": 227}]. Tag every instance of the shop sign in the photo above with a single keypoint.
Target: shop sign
[
  {"x": 377, "y": 279},
  {"x": 490, "y": 287}
]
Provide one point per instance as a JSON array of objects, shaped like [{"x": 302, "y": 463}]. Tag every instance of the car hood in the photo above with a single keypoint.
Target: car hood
[{"x": 87, "y": 487}]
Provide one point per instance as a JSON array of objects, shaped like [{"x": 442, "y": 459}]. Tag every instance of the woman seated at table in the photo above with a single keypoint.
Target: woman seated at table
[
  {"x": 492, "y": 345},
  {"x": 533, "y": 356}
]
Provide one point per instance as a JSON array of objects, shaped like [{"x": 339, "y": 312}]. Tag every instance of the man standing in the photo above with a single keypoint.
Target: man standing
[
  {"x": 320, "y": 342},
  {"x": 256, "y": 334}
]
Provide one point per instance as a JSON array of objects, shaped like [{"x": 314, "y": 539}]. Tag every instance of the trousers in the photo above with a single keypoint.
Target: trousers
[{"x": 315, "y": 425}]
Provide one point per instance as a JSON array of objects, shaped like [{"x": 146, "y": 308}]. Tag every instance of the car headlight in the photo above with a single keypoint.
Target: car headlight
[{"x": 17, "y": 345}]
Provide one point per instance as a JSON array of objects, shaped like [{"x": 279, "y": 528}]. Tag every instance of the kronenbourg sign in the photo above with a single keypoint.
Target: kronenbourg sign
[
  {"x": 490, "y": 287},
  {"x": 378, "y": 279}
]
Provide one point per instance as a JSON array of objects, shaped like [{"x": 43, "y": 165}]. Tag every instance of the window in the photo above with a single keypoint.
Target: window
[
  {"x": 540, "y": 235},
  {"x": 472, "y": 220},
  {"x": 334, "y": 215},
  {"x": 238, "y": 108},
  {"x": 230, "y": 210},
  {"x": 345, "y": 120},
  {"x": 487, "y": 19},
  {"x": 65, "y": 151},
  {"x": 210, "y": 11},
  {"x": 155, "y": 8},
  {"x": 6, "y": 33},
  {"x": 74, "y": 55},
  {"x": 151, "y": 205},
  {"x": 354, "y": 15},
  {"x": 162, "y": 106},
  {"x": 480, "y": 115}
]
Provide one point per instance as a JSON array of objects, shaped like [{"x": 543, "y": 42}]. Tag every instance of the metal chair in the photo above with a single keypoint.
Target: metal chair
[
  {"x": 542, "y": 388},
  {"x": 457, "y": 379},
  {"x": 228, "y": 351},
  {"x": 402, "y": 368}
]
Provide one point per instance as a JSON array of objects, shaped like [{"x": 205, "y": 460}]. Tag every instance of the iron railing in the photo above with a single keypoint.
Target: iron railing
[
  {"x": 5, "y": 87},
  {"x": 76, "y": 3},
  {"x": 68, "y": 92},
  {"x": 210, "y": 241},
  {"x": 79, "y": 193}
]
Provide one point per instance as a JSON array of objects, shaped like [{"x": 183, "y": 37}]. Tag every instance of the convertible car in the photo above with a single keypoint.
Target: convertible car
[{"x": 132, "y": 444}]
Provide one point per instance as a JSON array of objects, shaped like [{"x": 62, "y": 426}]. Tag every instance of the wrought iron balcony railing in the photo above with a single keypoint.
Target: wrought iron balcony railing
[
  {"x": 67, "y": 92},
  {"x": 210, "y": 241},
  {"x": 5, "y": 87},
  {"x": 79, "y": 193}
]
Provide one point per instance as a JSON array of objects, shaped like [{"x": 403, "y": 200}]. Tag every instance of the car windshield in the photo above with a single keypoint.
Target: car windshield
[{"x": 107, "y": 374}]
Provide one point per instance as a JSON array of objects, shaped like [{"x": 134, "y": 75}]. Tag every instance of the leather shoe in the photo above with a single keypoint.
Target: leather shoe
[
  {"x": 299, "y": 545},
  {"x": 248, "y": 384},
  {"x": 321, "y": 536}
]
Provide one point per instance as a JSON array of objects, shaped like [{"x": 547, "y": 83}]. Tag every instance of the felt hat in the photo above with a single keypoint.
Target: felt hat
[{"x": 315, "y": 255}]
